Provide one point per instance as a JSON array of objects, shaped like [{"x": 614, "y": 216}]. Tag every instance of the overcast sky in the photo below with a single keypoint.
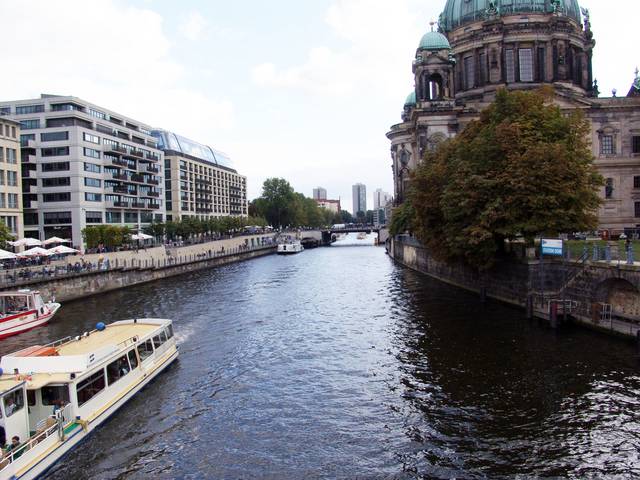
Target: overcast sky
[{"x": 300, "y": 89}]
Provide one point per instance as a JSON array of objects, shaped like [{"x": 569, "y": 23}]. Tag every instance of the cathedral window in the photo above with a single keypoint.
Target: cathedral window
[
  {"x": 637, "y": 209},
  {"x": 469, "y": 73},
  {"x": 542, "y": 54},
  {"x": 525, "y": 56},
  {"x": 635, "y": 144},
  {"x": 607, "y": 145},
  {"x": 608, "y": 189},
  {"x": 636, "y": 182},
  {"x": 483, "y": 69},
  {"x": 509, "y": 66}
]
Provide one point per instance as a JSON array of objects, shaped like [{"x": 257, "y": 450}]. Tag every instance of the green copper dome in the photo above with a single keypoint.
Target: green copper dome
[
  {"x": 411, "y": 100},
  {"x": 434, "y": 41},
  {"x": 460, "y": 12}
]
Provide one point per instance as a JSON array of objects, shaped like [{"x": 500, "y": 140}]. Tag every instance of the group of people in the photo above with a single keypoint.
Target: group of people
[{"x": 8, "y": 449}]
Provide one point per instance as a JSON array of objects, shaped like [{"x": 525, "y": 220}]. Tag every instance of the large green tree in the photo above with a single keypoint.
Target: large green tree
[{"x": 524, "y": 168}]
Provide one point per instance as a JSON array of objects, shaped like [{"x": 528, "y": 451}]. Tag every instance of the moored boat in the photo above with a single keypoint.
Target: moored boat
[
  {"x": 52, "y": 396},
  {"x": 23, "y": 310}
]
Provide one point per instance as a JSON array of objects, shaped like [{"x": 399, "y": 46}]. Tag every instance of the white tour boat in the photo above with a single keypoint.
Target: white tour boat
[
  {"x": 23, "y": 310},
  {"x": 289, "y": 248},
  {"x": 53, "y": 396}
]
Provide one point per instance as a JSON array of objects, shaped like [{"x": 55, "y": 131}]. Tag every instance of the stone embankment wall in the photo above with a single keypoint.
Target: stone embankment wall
[
  {"x": 601, "y": 295},
  {"x": 133, "y": 268}
]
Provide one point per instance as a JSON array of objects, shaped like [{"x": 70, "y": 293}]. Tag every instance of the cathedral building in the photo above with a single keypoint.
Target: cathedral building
[{"x": 481, "y": 46}]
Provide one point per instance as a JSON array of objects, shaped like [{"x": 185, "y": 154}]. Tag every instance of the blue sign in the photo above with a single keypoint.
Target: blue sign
[{"x": 552, "y": 247}]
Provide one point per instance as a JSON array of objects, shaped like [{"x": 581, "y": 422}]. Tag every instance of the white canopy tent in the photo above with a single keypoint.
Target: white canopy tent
[
  {"x": 36, "y": 252},
  {"x": 141, "y": 236},
  {"x": 62, "y": 249},
  {"x": 4, "y": 255},
  {"x": 26, "y": 242},
  {"x": 52, "y": 240}
]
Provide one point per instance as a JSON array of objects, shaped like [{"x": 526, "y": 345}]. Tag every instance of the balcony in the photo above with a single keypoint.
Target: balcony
[
  {"x": 151, "y": 194},
  {"x": 137, "y": 153},
  {"x": 119, "y": 189},
  {"x": 152, "y": 156},
  {"x": 152, "y": 169},
  {"x": 151, "y": 181},
  {"x": 120, "y": 176},
  {"x": 120, "y": 163},
  {"x": 136, "y": 177}
]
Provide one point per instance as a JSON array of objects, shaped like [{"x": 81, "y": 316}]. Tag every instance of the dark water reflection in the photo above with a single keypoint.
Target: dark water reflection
[{"x": 338, "y": 364}]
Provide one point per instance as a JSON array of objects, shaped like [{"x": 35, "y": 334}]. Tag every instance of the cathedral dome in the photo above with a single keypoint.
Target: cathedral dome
[
  {"x": 411, "y": 100},
  {"x": 434, "y": 41},
  {"x": 460, "y": 12}
]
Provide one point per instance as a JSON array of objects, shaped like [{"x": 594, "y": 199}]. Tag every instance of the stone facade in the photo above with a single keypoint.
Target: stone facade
[
  {"x": 10, "y": 179},
  {"x": 476, "y": 52}
]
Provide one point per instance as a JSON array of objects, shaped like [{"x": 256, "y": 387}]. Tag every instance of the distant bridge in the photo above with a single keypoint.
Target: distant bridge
[{"x": 361, "y": 229}]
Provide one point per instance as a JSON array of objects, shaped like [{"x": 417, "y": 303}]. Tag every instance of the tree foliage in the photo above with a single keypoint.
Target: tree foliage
[
  {"x": 106, "y": 235},
  {"x": 5, "y": 234},
  {"x": 524, "y": 168},
  {"x": 283, "y": 207}
]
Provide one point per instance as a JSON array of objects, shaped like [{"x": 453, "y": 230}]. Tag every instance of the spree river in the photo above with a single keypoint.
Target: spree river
[{"x": 337, "y": 363}]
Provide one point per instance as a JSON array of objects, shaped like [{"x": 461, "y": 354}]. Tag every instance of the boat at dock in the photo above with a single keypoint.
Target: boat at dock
[
  {"x": 53, "y": 396},
  {"x": 23, "y": 310}
]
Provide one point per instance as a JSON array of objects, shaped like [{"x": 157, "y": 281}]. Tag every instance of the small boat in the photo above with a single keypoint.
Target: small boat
[
  {"x": 23, "y": 310},
  {"x": 53, "y": 396},
  {"x": 289, "y": 248}
]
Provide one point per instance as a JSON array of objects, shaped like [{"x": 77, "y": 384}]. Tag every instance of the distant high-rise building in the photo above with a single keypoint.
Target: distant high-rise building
[
  {"x": 319, "y": 193},
  {"x": 380, "y": 199},
  {"x": 359, "y": 199}
]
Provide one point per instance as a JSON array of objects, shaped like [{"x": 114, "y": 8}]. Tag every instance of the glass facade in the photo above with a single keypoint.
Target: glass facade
[{"x": 178, "y": 143}]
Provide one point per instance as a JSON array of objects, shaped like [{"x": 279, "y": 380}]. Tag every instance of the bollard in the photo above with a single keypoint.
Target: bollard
[
  {"x": 553, "y": 315},
  {"x": 530, "y": 307}
]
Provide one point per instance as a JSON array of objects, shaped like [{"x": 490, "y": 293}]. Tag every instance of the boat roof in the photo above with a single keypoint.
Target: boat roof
[
  {"x": 13, "y": 293},
  {"x": 78, "y": 354}
]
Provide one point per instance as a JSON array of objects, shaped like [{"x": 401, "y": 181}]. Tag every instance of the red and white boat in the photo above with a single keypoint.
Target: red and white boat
[{"x": 23, "y": 310}]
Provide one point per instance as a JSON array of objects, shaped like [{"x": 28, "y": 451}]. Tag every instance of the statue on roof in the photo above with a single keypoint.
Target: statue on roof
[
  {"x": 555, "y": 6},
  {"x": 493, "y": 10},
  {"x": 587, "y": 19},
  {"x": 635, "y": 86}
]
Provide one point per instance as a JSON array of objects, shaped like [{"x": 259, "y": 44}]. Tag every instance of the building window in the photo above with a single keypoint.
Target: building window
[
  {"x": 29, "y": 124},
  {"x": 637, "y": 209},
  {"x": 26, "y": 109},
  {"x": 12, "y": 178},
  {"x": 92, "y": 182},
  {"x": 483, "y": 69},
  {"x": 113, "y": 217},
  {"x": 607, "y": 145},
  {"x": 11, "y": 222},
  {"x": 56, "y": 218},
  {"x": 56, "y": 182},
  {"x": 91, "y": 167},
  {"x": 608, "y": 188},
  {"x": 91, "y": 138},
  {"x": 54, "y": 136},
  {"x": 469, "y": 73},
  {"x": 55, "y": 167},
  {"x": 3, "y": 200},
  {"x": 54, "y": 151},
  {"x": 24, "y": 139},
  {"x": 509, "y": 66},
  {"x": 31, "y": 219},
  {"x": 56, "y": 197},
  {"x": 90, "y": 152},
  {"x": 525, "y": 56},
  {"x": 12, "y": 200},
  {"x": 1, "y": 177},
  {"x": 97, "y": 114},
  {"x": 542, "y": 60},
  {"x": 94, "y": 217},
  {"x": 130, "y": 217},
  {"x": 636, "y": 182},
  {"x": 635, "y": 144},
  {"x": 92, "y": 197},
  {"x": 1, "y": 154},
  {"x": 12, "y": 156}
]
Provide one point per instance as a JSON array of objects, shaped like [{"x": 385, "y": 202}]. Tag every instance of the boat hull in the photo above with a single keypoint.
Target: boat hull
[
  {"x": 26, "y": 321},
  {"x": 36, "y": 468}
]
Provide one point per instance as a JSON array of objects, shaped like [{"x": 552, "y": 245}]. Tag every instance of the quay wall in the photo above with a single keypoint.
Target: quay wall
[
  {"x": 134, "y": 273},
  {"x": 600, "y": 295}
]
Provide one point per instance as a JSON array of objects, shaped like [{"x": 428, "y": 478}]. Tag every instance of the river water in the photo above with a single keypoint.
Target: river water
[{"x": 337, "y": 363}]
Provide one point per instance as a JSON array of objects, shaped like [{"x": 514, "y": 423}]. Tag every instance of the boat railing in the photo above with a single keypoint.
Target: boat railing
[
  {"x": 128, "y": 342},
  {"x": 62, "y": 418},
  {"x": 59, "y": 342}
]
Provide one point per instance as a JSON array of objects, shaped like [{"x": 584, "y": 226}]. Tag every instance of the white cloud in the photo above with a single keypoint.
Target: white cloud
[
  {"x": 193, "y": 26},
  {"x": 380, "y": 38},
  {"x": 112, "y": 55}
]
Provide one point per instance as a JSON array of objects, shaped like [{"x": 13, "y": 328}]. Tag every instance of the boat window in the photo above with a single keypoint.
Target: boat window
[
  {"x": 31, "y": 397},
  {"x": 90, "y": 387},
  {"x": 13, "y": 402},
  {"x": 145, "y": 350},
  {"x": 159, "y": 339},
  {"x": 133, "y": 360},
  {"x": 170, "y": 331},
  {"x": 117, "y": 369},
  {"x": 55, "y": 395}
]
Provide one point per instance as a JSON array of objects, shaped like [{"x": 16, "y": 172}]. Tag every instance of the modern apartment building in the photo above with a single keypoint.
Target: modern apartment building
[
  {"x": 85, "y": 165},
  {"x": 359, "y": 192},
  {"x": 199, "y": 180},
  {"x": 380, "y": 199},
  {"x": 10, "y": 180},
  {"x": 319, "y": 193}
]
